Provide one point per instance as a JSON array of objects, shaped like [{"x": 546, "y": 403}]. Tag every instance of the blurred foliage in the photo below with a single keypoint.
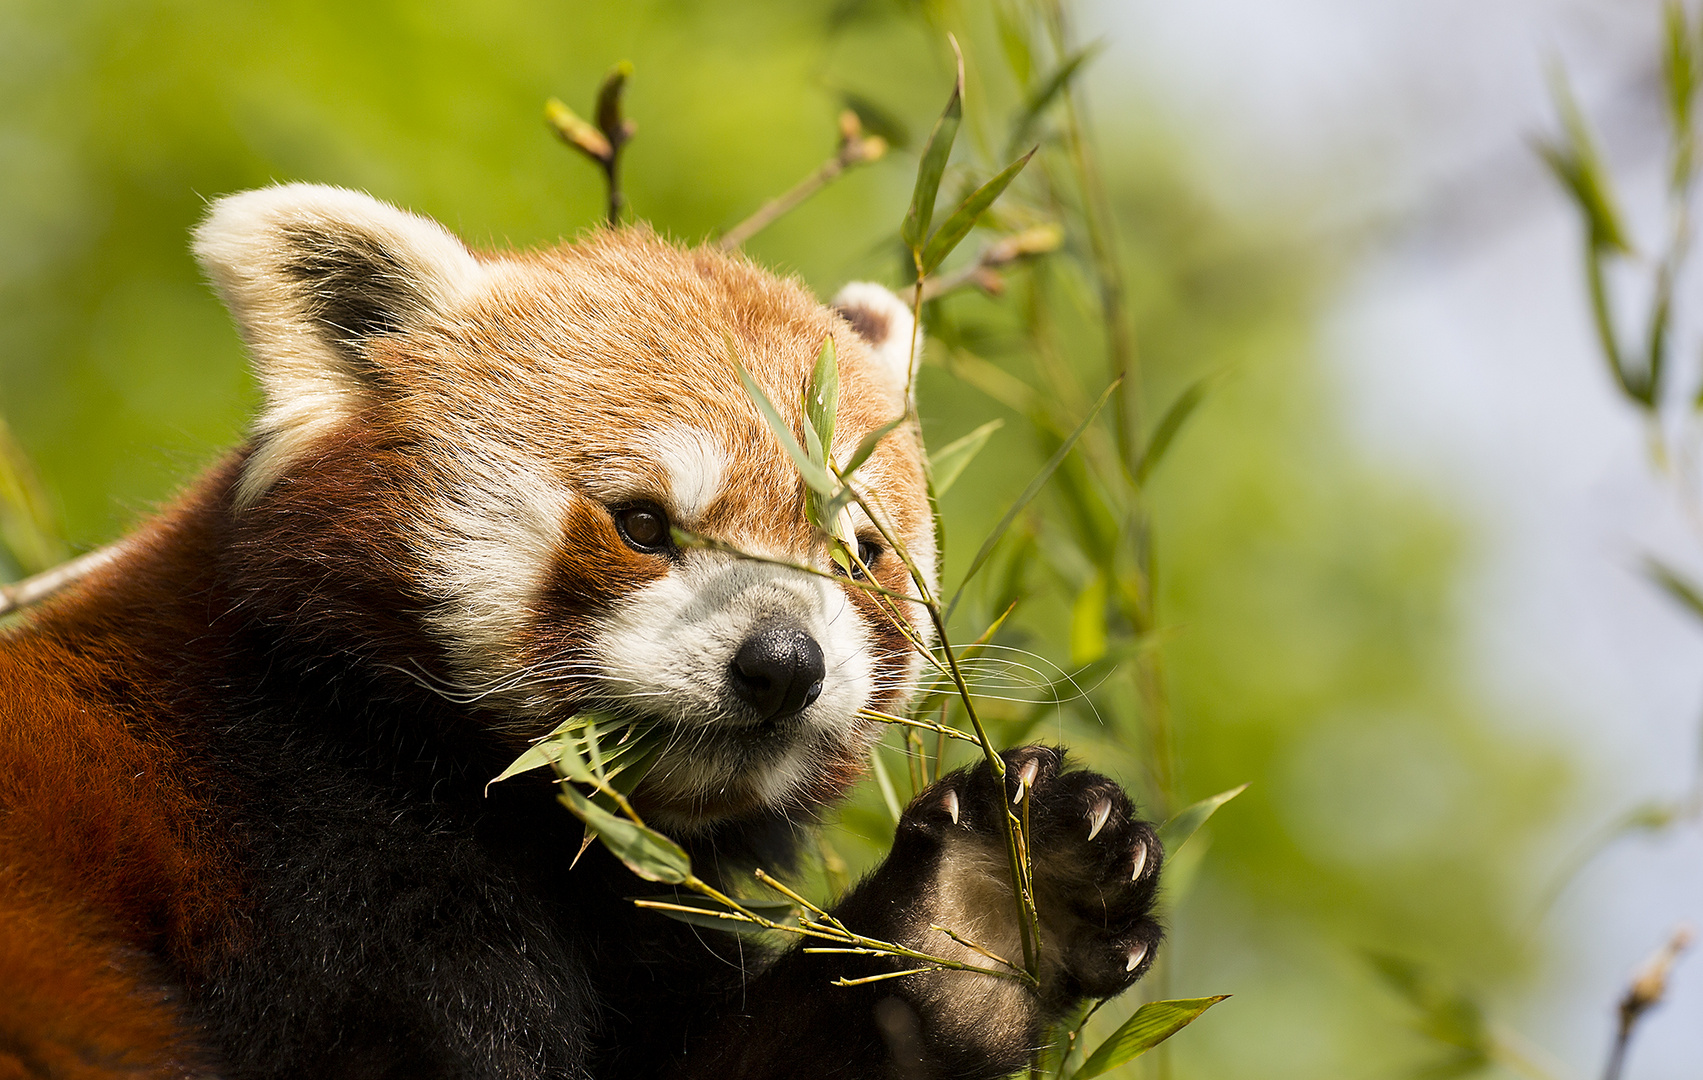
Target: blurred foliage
[{"x": 1305, "y": 612}]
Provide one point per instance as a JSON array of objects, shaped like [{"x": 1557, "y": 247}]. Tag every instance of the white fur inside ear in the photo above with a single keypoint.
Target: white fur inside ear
[
  {"x": 884, "y": 321},
  {"x": 289, "y": 261}
]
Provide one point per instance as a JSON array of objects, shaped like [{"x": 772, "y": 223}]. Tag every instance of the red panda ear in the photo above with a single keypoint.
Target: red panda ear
[
  {"x": 884, "y": 321},
  {"x": 312, "y": 274}
]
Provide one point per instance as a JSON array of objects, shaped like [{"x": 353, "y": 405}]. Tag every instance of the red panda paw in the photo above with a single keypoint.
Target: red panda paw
[{"x": 1095, "y": 863}]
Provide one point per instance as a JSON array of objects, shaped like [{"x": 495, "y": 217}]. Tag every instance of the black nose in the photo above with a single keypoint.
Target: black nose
[{"x": 778, "y": 670}]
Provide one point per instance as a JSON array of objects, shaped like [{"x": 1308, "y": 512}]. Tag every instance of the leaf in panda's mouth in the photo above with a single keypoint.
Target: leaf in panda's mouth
[
  {"x": 594, "y": 748},
  {"x": 611, "y": 755}
]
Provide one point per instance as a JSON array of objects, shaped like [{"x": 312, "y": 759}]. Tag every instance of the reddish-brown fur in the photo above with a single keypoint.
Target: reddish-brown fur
[
  {"x": 114, "y": 858},
  {"x": 109, "y": 861}
]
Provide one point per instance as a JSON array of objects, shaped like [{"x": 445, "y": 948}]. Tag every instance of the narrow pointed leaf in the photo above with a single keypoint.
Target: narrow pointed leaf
[
  {"x": 866, "y": 446},
  {"x": 1046, "y": 93},
  {"x": 1034, "y": 489},
  {"x": 1679, "y": 67},
  {"x": 1578, "y": 165},
  {"x": 27, "y": 527},
  {"x": 567, "y": 748},
  {"x": 815, "y": 476},
  {"x": 1151, "y": 1025},
  {"x": 952, "y": 458},
  {"x": 1676, "y": 585},
  {"x": 933, "y": 164},
  {"x": 822, "y": 398},
  {"x": 1656, "y": 348},
  {"x": 1088, "y": 623},
  {"x": 953, "y": 230},
  {"x": 635, "y": 761},
  {"x": 536, "y": 756},
  {"x": 1169, "y": 425},
  {"x": 1444, "y": 1012},
  {"x": 884, "y": 782},
  {"x": 1014, "y": 40},
  {"x": 1176, "y": 832},
  {"x": 646, "y": 852}
]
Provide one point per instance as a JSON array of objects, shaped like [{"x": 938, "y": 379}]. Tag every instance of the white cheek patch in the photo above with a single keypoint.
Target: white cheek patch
[
  {"x": 691, "y": 464},
  {"x": 666, "y": 653},
  {"x": 490, "y": 545},
  {"x": 695, "y": 464}
]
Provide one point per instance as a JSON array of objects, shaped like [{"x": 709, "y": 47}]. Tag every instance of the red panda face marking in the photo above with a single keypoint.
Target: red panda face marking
[
  {"x": 559, "y": 413},
  {"x": 695, "y": 463}
]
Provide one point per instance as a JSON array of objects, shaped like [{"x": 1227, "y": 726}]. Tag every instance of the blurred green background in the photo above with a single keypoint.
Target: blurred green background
[{"x": 1309, "y": 633}]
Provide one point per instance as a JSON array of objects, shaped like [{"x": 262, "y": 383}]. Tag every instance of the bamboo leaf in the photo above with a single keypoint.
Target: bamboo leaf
[
  {"x": 580, "y": 749},
  {"x": 1679, "y": 68},
  {"x": 1176, "y": 832},
  {"x": 1151, "y": 1025},
  {"x": 933, "y": 164},
  {"x": 1650, "y": 817},
  {"x": 1045, "y": 94},
  {"x": 822, "y": 399},
  {"x": 1656, "y": 343},
  {"x": 539, "y": 754},
  {"x": 1088, "y": 623},
  {"x": 866, "y": 446},
  {"x": 551, "y": 749},
  {"x": 884, "y": 782},
  {"x": 952, "y": 232},
  {"x": 1012, "y": 20},
  {"x": 1165, "y": 432},
  {"x": 1578, "y": 166},
  {"x": 815, "y": 476},
  {"x": 1676, "y": 585},
  {"x": 27, "y": 528},
  {"x": 1602, "y": 319},
  {"x": 1445, "y": 1013},
  {"x": 950, "y": 462},
  {"x": 646, "y": 852},
  {"x": 717, "y": 916},
  {"x": 1034, "y": 488}
]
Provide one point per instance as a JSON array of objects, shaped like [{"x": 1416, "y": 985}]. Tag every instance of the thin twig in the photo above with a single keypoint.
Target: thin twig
[
  {"x": 34, "y": 589},
  {"x": 1097, "y": 220},
  {"x": 1648, "y": 988},
  {"x": 983, "y": 273},
  {"x": 856, "y": 148},
  {"x": 939, "y": 729},
  {"x": 601, "y": 143}
]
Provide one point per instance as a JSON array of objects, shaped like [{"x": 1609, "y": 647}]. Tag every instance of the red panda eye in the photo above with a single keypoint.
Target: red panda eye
[
  {"x": 644, "y": 527},
  {"x": 868, "y": 551}
]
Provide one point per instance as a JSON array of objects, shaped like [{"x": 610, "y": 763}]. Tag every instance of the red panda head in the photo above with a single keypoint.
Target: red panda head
[{"x": 468, "y": 466}]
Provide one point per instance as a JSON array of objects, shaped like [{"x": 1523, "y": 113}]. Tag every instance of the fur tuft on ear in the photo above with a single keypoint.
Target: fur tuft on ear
[
  {"x": 312, "y": 275},
  {"x": 884, "y": 321}
]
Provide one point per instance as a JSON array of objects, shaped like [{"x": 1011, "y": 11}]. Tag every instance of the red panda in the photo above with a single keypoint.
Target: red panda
[{"x": 244, "y": 826}]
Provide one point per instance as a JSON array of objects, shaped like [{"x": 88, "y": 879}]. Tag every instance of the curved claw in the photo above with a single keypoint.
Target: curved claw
[
  {"x": 1026, "y": 778},
  {"x": 1140, "y": 863},
  {"x": 1136, "y": 956},
  {"x": 1097, "y": 817}
]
